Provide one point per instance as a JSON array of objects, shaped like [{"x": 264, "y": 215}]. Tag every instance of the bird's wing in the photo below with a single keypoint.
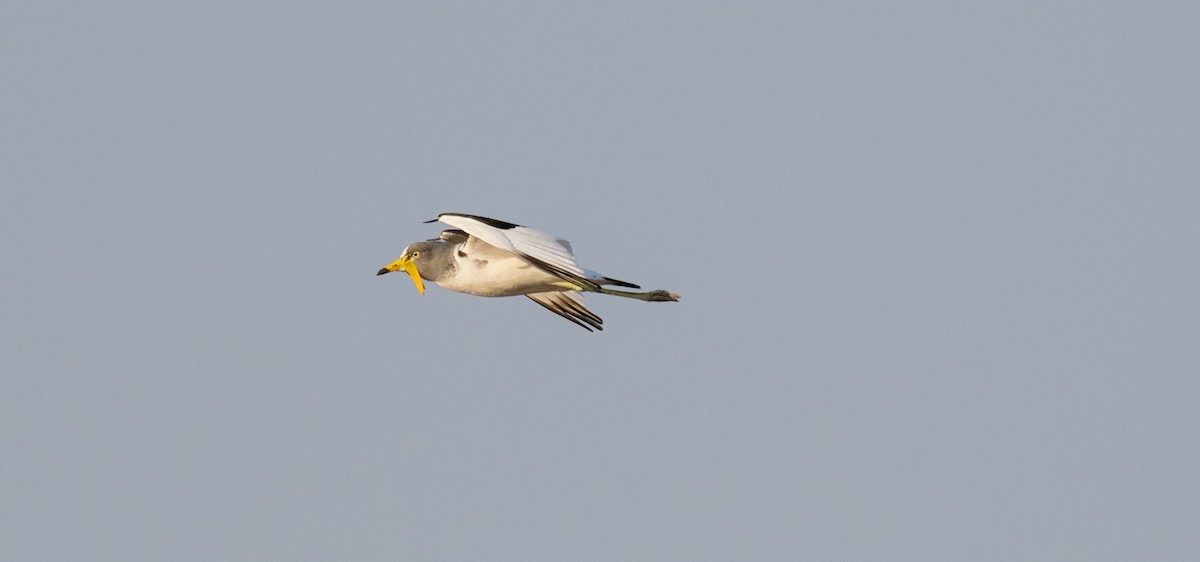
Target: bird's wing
[
  {"x": 569, "y": 305},
  {"x": 534, "y": 246},
  {"x": 452, "y": 236}
]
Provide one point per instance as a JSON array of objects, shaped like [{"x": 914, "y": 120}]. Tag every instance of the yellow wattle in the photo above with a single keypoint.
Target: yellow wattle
[{"x": 411, "y": 269}]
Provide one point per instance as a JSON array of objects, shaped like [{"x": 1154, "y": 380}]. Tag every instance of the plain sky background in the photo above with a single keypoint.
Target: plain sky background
[{"x": 939, "y": 266}]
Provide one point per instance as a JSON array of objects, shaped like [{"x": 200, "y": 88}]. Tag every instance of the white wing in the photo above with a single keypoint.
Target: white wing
[{"x": 534, "y": 246}]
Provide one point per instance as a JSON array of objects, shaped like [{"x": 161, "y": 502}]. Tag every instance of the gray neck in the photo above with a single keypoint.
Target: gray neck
[{"x": 438, "y": 262}]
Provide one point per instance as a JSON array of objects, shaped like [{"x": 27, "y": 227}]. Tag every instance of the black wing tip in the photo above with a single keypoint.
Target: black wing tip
[
  {"x": 568, "y": 309},
  {"x": 494, "y": 223},
  {"x": 621, "y": 283}
]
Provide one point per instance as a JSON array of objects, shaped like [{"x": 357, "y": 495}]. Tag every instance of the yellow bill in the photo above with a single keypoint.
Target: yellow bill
[{"x": 409, "y": 267}]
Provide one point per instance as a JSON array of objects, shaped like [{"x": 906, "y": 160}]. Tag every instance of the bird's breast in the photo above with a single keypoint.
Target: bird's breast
[{"x": 503, "y": 277}]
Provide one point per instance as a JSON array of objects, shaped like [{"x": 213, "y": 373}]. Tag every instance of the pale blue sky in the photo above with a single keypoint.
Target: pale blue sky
[{"x": 939, "y": 266}]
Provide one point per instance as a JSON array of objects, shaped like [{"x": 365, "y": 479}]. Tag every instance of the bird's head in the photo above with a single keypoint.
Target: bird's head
[{"x": 408, "y": 262}]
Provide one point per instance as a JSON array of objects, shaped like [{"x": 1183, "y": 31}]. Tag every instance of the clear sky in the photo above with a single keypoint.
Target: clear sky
[{"x": 940, "y": 269}]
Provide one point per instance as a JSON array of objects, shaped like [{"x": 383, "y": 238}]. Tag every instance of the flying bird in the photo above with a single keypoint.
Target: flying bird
[{"x": 492, "y": 258}]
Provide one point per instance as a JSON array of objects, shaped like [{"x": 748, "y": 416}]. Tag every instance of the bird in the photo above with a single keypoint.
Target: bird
[{"x": 493, "y": 258}]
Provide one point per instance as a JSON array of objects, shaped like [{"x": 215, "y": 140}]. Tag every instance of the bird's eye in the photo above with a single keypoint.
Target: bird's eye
[{"x": 416, "y": 254}]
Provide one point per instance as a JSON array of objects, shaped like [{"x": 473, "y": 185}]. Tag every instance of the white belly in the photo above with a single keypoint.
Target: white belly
[{"x": 505, "y": 277}]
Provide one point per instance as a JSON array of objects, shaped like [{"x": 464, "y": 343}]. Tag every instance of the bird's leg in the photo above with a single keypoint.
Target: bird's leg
[{"x": 652, "y": 296}]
